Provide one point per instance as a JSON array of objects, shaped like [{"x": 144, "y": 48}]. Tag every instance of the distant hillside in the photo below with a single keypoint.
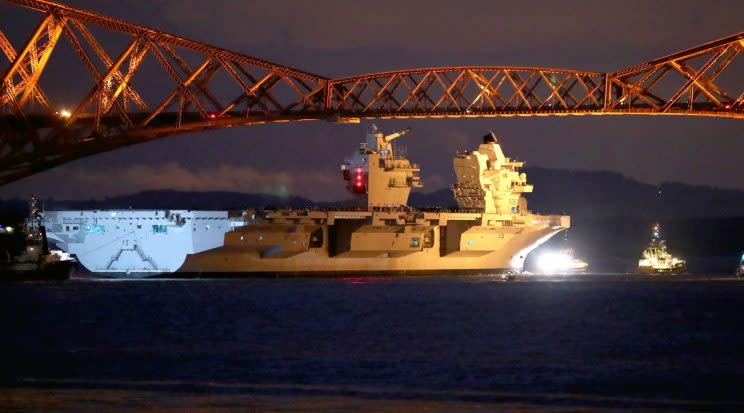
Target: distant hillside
[
  {"x": 168, "y": 199},
  {"x": 593, "y": 194},
  {"x": 588, "y": 194},
  {"x": 607, "y": 194}
]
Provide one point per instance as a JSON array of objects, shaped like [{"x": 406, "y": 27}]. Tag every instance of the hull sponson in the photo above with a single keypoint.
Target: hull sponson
[
  {"x": 335, "y": 274},
  {"x": 142, "y": 242},
  {"x": 375, "y": 243}
]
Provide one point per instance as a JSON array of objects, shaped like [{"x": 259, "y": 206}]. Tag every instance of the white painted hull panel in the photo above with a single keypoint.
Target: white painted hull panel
[{"x": 135, "y": 241}]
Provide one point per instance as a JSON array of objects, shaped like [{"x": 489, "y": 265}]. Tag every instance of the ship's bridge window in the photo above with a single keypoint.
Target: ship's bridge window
[
  {"x": 95, "y": 229},
  {"x": 415, "y": 241},
  {"x": 159, "y": 229}
]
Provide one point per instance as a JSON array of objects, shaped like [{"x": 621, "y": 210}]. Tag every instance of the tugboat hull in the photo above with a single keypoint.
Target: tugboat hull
[
  {"x": 662, "y": 271},
  {"x": 57, "y": 271}
]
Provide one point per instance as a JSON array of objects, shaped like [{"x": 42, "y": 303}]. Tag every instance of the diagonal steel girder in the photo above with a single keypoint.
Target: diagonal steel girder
[{"x": 33, "y": 137}]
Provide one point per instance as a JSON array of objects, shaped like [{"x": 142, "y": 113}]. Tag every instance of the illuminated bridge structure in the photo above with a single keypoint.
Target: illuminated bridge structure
[{"x": 209, "y": 87}]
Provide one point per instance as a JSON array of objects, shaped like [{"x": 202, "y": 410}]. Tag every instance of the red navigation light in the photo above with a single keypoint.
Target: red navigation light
[
  {"x": 359, "y": 184},
  {"x": 212, "y": 116}
]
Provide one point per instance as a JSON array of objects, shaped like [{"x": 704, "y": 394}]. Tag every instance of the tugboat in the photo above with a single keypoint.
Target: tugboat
[
  {"x": 36, "y": 262},
  {"x": 655, "y": 259}
]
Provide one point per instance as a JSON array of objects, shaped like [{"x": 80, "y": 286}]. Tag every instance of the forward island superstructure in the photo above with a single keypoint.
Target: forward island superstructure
[{"x": 492, "y": 232}]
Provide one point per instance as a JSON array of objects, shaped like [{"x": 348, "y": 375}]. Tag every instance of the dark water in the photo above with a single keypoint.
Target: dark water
[{"x": 594, "y": 342}]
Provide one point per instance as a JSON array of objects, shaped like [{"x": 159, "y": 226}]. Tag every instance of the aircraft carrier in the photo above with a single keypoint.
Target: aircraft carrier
[{"x": 492, "y": 231}]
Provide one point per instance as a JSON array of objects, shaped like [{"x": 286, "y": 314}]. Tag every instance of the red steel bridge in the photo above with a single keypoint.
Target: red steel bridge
[{"x": 209, "y": 87}]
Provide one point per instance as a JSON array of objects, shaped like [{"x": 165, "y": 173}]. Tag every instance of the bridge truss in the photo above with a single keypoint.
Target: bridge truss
[{"x": 208, "y": 87}]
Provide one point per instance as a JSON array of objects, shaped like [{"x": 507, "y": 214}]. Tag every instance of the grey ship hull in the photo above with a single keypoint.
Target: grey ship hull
[{"x": 351, "y": 243}]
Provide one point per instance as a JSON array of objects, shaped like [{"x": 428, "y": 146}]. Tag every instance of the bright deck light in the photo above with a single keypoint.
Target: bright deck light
[{"x": 552, "y": 262}]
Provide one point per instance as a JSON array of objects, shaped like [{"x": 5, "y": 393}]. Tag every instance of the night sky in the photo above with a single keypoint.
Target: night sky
[{"x": 342, "y": 38}]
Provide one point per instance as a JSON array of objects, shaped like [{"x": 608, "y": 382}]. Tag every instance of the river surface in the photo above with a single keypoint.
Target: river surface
[{"x": 582, "y": 343}]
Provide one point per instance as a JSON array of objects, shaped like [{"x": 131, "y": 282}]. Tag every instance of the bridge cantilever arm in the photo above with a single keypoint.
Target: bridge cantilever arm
[
  {"x": 34, "y": 137},
  {"x": 137, "y": 30}
]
